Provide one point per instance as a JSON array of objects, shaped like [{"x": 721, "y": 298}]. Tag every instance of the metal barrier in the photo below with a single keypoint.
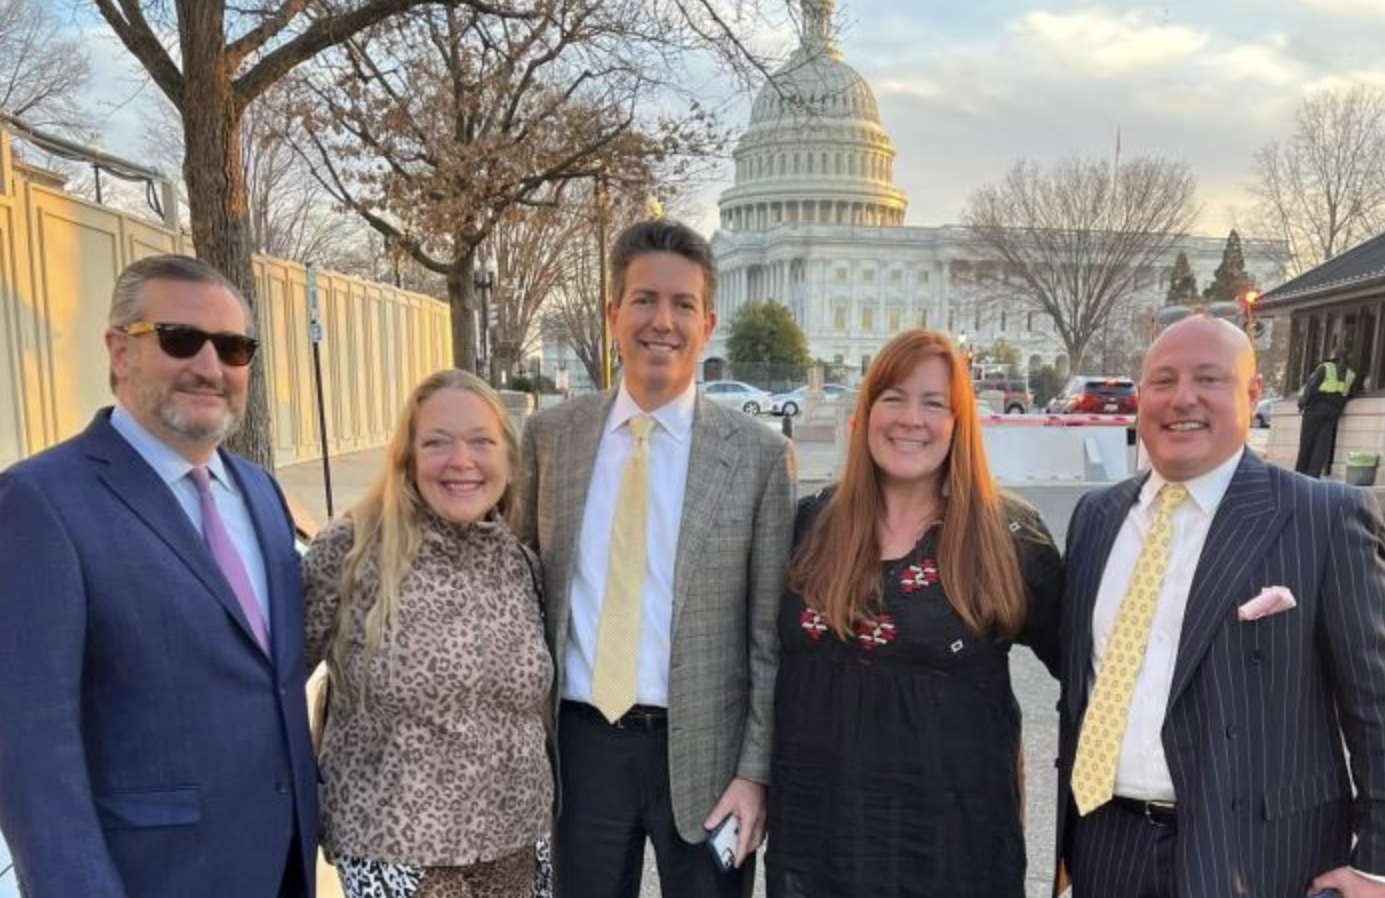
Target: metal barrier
[{"x": 1059, "y": 448}]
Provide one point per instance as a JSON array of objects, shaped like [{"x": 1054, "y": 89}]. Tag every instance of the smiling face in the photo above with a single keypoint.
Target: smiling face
[
  {"x": 190, "y": 404},
  {"x": 461, "y": 464},
  {"x": 1198, "y": 390},
  {"x": 661, "y": 324},
  {"x": 911, "y": 424}
]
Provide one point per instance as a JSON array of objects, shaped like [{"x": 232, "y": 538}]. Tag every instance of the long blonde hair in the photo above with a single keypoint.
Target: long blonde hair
[
  {"x": 388, "y": 523},
  {"x": 838, "y": 569}
]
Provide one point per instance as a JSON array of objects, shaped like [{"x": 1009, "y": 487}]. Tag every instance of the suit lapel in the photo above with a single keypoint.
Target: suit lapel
[
  {"x": 1107, "y": 517},
  {"x": 711, "y": 460},
  {"x": 573, "y": 460},
  {"x": 267, "y": 516},
  {"x": 134, "y": 483},
  {"x": 1246, "y": 524}
]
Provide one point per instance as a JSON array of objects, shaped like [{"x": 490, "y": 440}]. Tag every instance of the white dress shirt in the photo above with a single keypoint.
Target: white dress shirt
[
  {"x": 1142, "y": 771},
  {"x": 173, "y": 470},
  {"x": 669, "y": 445}
]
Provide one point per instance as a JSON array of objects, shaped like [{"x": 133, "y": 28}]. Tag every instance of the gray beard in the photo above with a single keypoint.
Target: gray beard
[{"x": 199, "y": 434}]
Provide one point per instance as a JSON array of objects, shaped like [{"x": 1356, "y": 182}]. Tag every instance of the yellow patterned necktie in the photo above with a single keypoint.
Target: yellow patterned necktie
[
  {"x": 1108, "y": 712},
  {"x": 618, "y": 635}
]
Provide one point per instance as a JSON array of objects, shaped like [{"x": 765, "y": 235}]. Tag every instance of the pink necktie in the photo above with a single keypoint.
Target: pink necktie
[{"x": 227, "y": 558}]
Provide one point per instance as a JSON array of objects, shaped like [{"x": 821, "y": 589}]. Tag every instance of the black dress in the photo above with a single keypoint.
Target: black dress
[{"x": 896, "y": 753}]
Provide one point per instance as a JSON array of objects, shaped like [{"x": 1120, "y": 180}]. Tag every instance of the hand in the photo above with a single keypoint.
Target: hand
[
  {"x": 746, "y": 800},
  {"x": 1350, "y": 883}
]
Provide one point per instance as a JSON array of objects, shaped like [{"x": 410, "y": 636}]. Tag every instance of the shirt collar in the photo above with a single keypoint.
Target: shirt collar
[
  {"x": 166, "y": 461},
  {"x": 1207, "y": 491},
  {"x": 674, "y": 416}
]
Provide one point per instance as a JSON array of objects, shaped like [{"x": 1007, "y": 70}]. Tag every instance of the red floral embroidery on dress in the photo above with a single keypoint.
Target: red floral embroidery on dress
[
  {"x": 873, "y": 635},
  {"x": 812, "y": 624},
  {"x": 919, "y": 575}
]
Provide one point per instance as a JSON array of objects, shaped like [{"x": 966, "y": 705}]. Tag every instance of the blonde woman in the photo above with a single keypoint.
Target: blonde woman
[{"x": 436, "y": 778}]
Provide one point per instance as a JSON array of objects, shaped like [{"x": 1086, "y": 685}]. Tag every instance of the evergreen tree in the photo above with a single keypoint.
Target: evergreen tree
[
  {"x": 1182, "y": 283},
  {"x": 765, "y": 332},
  {"x": 1231, "y": 279}
]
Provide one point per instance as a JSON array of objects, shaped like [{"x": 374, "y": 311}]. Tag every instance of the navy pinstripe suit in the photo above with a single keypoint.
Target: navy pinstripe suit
[{"x": 1258, "y": 711}]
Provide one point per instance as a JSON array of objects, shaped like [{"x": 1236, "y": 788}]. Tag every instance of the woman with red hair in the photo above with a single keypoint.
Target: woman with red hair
[{"x": 897, "y": 734}]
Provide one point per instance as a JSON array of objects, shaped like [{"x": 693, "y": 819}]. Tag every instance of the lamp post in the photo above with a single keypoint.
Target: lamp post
[
  {"x": 483, "y": 279},
  {"x": 602, "y": 207}
]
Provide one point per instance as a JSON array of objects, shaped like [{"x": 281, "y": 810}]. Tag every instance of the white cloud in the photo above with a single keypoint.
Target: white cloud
[
  {"x": 1098, "y": 43},
  {"x": 1348, "y": 9}
]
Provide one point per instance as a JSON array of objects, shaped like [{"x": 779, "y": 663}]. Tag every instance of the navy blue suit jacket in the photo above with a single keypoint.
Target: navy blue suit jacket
[
  {"x": 148, "y": 747},
  {"x": 1259, "y": 710}
]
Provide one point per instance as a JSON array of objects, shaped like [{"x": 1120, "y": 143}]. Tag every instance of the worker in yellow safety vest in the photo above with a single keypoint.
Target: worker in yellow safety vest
[{"x": 1321, "y": 401}]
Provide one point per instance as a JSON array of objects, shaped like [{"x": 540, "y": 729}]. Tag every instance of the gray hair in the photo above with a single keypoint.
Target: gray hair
[
  {"x": 129, "y": 287},
  {"x": 663, "y": 235}
]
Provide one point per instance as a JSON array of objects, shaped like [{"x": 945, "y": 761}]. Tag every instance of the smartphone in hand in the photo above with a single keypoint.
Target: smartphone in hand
[{"x": 721, "y": 842}]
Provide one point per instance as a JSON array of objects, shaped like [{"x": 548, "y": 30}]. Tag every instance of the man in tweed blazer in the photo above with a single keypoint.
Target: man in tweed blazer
[
  {"x": 1231, "y": 777},
  {"x": 695, "y": 747}
]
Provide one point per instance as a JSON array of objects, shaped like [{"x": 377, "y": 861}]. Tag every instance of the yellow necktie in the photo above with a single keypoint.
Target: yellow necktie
[
  {"x": 618, "y": 636},
  {"x": 1108, "y": 712}
]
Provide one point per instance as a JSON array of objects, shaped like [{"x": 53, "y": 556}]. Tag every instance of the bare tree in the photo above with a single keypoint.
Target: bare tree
[
  {"x": 434, "y": 128},
  {"x": 227, "y": 57},
  {"x": 1071, "y": 240},
  {"x": 1322, "y": 190},
  {"x": 291, "y": 215},
  {"x": 573, "y": 311},
  {"x": 41, "y": 71}
]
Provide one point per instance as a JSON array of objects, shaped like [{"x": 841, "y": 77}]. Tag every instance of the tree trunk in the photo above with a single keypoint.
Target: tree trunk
[
  {"x": 461, "y": 299},
  {"x": 216, "y": 193}
]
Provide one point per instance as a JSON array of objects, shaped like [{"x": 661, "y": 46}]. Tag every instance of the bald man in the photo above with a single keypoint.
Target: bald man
[{"x": 1224, "y": 635}]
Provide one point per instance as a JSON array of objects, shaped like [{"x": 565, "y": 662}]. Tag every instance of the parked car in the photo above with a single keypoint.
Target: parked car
[
  {"x": 1263, "y": 410},
  {"x": 1096, "y": 395},
  {"x": 791, "y": 403},
  {"x": 1010, "y": 395},
  {"x": 749, "y": 399}
]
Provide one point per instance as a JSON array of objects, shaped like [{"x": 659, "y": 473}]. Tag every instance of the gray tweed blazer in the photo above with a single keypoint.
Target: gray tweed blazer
[{"x": 733, "y": 549}]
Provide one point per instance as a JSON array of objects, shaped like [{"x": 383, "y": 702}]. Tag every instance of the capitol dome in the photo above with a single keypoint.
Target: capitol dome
[{"x": 814, "y": 151}]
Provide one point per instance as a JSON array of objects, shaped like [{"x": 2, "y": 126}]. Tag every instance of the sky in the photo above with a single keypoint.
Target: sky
[{"x": 967, "y": 89}]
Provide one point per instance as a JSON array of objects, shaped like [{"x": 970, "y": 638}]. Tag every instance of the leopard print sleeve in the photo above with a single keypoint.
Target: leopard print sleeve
[{"x": 322, "y": 567}]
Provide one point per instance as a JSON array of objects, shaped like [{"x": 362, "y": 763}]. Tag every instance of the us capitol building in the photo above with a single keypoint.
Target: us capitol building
[{"x": 815, "y": 221}]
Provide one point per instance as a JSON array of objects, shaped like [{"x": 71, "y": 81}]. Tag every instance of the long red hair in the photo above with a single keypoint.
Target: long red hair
[{"x": 837, "y": 570}]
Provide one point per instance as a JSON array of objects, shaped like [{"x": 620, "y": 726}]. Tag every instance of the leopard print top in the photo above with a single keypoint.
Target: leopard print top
[{"x": 445, "y": 763}]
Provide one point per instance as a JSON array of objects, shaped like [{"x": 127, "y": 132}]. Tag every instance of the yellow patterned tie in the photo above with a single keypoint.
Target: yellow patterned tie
[
  {"x": 1108, "y": 712},
  {"x": 618, "y": 637}
]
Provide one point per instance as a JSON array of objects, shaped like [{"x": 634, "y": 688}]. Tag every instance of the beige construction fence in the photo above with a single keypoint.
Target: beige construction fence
[{"x": 59, "y": 257}]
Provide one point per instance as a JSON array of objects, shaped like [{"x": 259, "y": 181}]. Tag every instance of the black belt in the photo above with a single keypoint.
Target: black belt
[
  {"x": 1160, "y": 813},
  {"x": 639, "y": 717}
]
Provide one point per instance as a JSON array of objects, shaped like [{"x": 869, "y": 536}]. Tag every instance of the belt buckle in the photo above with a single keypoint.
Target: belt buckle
[{"x": 1152, "y": 806}]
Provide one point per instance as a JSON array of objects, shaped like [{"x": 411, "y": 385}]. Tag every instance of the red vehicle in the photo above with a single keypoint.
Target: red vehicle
[{"x": 1088, "y": 395}]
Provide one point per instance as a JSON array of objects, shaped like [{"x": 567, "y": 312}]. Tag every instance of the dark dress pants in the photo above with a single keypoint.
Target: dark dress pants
[
  {"x": 1317, "y": 438},
  {"x": 615, "y": 795},
  {"x": 1118, "y": 853}
]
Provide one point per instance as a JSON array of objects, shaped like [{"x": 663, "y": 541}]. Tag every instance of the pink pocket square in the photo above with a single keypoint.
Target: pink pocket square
[{"x": 1271, "y": 600}]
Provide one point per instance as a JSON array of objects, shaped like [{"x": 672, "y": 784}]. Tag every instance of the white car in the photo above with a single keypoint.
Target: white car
[
  {"x": 791, "y": 403},
  {"x": 749, "y": 399}
]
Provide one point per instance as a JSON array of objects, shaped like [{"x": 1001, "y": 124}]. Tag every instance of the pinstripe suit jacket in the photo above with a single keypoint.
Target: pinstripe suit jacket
[
  {"x": 1258, "y": 710},
  {"x": 733, "y": 548}
]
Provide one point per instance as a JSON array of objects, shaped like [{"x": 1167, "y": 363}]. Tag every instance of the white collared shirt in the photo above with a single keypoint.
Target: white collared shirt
[
  {"x": 172, "y": 468},
  {"x": 669, "y": 445},
  {"x": 1142, "y": 771}
]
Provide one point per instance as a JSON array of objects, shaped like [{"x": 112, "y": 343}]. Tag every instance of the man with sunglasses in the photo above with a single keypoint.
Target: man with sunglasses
[{"x": 153, "y": 734}]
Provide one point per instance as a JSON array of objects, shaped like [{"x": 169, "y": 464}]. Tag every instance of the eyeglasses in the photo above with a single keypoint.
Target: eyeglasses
[{"x": 182, "y": 341}]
